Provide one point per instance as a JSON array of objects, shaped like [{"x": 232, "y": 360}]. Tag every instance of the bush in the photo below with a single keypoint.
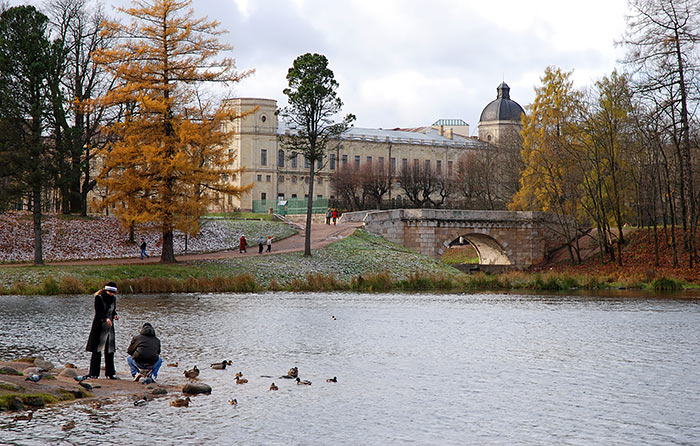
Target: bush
[
  {"x": 666, "y": 284},
  {"x": 70, "y": 285}
]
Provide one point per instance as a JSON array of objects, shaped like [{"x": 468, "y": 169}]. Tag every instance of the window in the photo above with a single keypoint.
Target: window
[
  {"x": 449, "y": 168},
  {"x": 294, "y": 195},
  {"x": 357, "y": 161},
  {"x": 427, "y": 165},
  {"x": 438, "y": 167},
  {"x": 294, "y": 179},
  {"x": 263, "y": 157},
  {"x": 280, "y": 196},
  {"x": 306, "y": 196},
  {"x": 319, "y": 196},
  {"x": 369, "y": 161},
  {"x": 267, "y": 178},
  {"x": 294, "y": 161},
  {"x": 280, "y": 179},
  {"x": 319, "y": 164},
  {"x": 332, "y": 161},
  {"x": 345, "y": 160},
  {"x": 280, "y": 158},
  {"x": 259, "y": 177},
  {"x": 307, "y": 164},
  {"x": 416, "y": 164},
  {"x": 263, "y": 196},
  {"x": 319, "y": 180},
  {"x": 380, "y": 161},
  {"x": 404, "y": 163},
  {"x": 306, "y": 180},
  {"x": 392, "y": 164}
]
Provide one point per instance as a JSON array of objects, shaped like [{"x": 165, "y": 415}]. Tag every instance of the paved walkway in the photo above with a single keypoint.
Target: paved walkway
[{"x": 321, "y": 235}]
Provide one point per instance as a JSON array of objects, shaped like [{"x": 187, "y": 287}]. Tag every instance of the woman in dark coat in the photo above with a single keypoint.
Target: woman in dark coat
[{"x": 102, "y": 332}]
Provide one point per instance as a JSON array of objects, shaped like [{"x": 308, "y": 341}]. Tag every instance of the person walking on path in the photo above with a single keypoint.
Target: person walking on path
[
  {"x": 261, "y": 241},
  {"x": 242, "y": 247},
  {"x": 143, "y": 248},
  {"x": 329, "y": 214},
  {"x": 269, "y": 243},
  {"x": 144, "y": 355},
  {"x": 335, "y": 216},
  {"x": 101, "y": 337}
]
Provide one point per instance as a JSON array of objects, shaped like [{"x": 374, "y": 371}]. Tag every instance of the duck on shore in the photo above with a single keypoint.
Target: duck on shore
[{"x": 192, "y": 374}]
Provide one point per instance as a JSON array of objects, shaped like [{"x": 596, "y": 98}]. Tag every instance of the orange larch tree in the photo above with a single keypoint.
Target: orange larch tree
[{"x": 168, "y": 155}]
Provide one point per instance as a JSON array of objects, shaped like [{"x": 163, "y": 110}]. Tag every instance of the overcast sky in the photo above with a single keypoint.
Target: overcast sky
[{"x": 407, "y": 63}]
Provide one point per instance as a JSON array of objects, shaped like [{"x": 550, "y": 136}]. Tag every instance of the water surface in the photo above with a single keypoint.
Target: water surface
[{"x": 486, "y": 369}]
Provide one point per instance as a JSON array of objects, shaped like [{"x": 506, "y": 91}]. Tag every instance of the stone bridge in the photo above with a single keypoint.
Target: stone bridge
[{"x": 517, "y": 239}]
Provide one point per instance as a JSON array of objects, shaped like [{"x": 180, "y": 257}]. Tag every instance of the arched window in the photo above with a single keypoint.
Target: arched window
[{"x": 280, "y": 158}]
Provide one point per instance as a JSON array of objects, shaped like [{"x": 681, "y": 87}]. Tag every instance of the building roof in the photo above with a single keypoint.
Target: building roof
[
  {"x": 503, "y": 108},
  {"x": 420, "y": 136},
  {"x": 450, "y": 122}
]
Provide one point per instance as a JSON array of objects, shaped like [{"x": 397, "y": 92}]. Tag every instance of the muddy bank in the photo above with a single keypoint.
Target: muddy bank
[{"x": 57, "y": 386}]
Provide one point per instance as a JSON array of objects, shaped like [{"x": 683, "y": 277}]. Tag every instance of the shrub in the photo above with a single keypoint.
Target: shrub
[
  {"x": 666, "y": 284},
  {"x": 70, "y": 285}
]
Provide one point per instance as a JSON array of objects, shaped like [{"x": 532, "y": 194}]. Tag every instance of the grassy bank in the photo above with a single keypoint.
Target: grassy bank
[{"x": 361, "y": 262}]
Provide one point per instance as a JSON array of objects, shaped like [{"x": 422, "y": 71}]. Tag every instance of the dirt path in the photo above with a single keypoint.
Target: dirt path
[{"x": 321, "y": 235}]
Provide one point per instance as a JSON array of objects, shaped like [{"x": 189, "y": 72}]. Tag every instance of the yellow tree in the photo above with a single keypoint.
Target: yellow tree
[
  {"x": 551, "y": 179},
  {"x": 168, "y": 154}
]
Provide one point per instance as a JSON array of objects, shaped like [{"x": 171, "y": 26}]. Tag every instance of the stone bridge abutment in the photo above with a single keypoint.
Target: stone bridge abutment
[{"x": 518, "y": 239}]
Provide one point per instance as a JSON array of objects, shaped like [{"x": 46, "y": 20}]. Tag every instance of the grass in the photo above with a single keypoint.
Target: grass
[
  {"x": 459, "y": 255},
  {"x": 243, "y": 216},
  {"x": 360, "y": 262}
]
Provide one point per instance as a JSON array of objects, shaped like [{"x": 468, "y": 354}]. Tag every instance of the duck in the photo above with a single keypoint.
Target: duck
[
  {"x": 291, "y": 374},
  {"x": 240, "y": 379},
  {"x": 85, "y": 386},
  {"x": 27, "y": 417},
  {"x": 193, "y": 373},
  {"x": 141, "y": 402},
  {"x": 274, "y": 387},
  {"x": 332, "y": 380},
  {"x": 180, "y": 402},
  {"x": 220, "y": 365},
  {"x": 68, "y": 426},
  {"x": 303, "y": 382},
  {"x": 173, "y": 364},
  {"x": 233, "y": 402}
]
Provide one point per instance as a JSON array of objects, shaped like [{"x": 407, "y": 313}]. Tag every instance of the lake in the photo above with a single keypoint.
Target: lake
[{"x": 423, "y": 369}]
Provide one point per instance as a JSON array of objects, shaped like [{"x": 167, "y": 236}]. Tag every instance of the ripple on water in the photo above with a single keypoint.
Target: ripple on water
[{"x": 421, "y": 369}]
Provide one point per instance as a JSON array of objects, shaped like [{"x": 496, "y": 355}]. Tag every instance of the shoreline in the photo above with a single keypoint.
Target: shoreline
[{"x": 58, "y": 387}]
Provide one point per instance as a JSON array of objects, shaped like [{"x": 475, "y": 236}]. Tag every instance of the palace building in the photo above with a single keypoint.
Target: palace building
[{"x": 277, "y": 175}]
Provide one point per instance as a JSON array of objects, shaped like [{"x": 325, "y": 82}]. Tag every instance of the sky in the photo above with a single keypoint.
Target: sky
[{"x": 408, "y": 63}]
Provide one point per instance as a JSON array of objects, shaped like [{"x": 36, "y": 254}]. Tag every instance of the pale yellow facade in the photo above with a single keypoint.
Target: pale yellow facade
[{"x": 275, "y": 176}]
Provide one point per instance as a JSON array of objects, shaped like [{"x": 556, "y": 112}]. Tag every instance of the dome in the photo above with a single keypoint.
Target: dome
[{"x": 503, "y": 108}]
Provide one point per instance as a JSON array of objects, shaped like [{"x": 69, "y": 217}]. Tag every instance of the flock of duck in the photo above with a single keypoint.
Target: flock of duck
[{"x": 193, "y": 373}]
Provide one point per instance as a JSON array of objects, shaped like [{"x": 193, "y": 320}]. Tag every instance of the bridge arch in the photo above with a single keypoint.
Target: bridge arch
[{"x": 488, "y": 249}]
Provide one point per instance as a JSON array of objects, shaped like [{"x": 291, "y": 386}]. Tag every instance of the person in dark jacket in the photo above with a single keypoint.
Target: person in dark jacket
[
  {"x": 101, "y": 337},
  {"x": 144, "y": 355}
]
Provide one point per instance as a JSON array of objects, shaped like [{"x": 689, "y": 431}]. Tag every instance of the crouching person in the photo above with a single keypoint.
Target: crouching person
[{"x": 144, "y": 355}]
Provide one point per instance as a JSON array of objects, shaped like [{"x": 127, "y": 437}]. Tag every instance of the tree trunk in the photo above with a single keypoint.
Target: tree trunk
[
  {"x": 36, "y": 214},
  {"x": 168, "y": 253},
  {"x": 309, "y": 210}
]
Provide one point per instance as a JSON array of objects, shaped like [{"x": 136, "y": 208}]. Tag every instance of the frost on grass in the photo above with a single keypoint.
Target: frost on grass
[{"x": 103, "y": 237}]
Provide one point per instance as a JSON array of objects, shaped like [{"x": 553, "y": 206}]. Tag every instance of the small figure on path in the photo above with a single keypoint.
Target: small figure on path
[
  {"x": 242, "y": 247},
  {"x": 335, "y": 216},
  {"x": 269, "y": 243},
  {"x": 101, "y": 337},
  {"x": 261, "y": 241},
  {"x": 143, "y": 249},
  {"x": 144, "y": 355},
  {"x": 329, "y": 214}
]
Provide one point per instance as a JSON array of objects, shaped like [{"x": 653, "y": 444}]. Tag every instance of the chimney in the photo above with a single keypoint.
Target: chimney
[
  {"x": 449, "y": 133},
  {"x": 441, "y": 130}
]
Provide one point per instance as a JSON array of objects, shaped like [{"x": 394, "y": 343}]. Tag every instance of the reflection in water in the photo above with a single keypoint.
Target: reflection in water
[{"x": 421, "y": 369}]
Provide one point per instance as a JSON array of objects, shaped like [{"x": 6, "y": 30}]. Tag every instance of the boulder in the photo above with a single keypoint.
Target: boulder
[
  {"x": 69, "y": 373},
  {"x": 12, "y": 387},
  {"x": 14, "y": 403},
  {"x": 9, "y": 371},
  {"x": 159, "y": 391},
  {"x": 196, "y": 388},
  {"x": 43, "y": 364},
  {"x": 33, "y": 401},
  {"x": 29, "y": 371}
]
